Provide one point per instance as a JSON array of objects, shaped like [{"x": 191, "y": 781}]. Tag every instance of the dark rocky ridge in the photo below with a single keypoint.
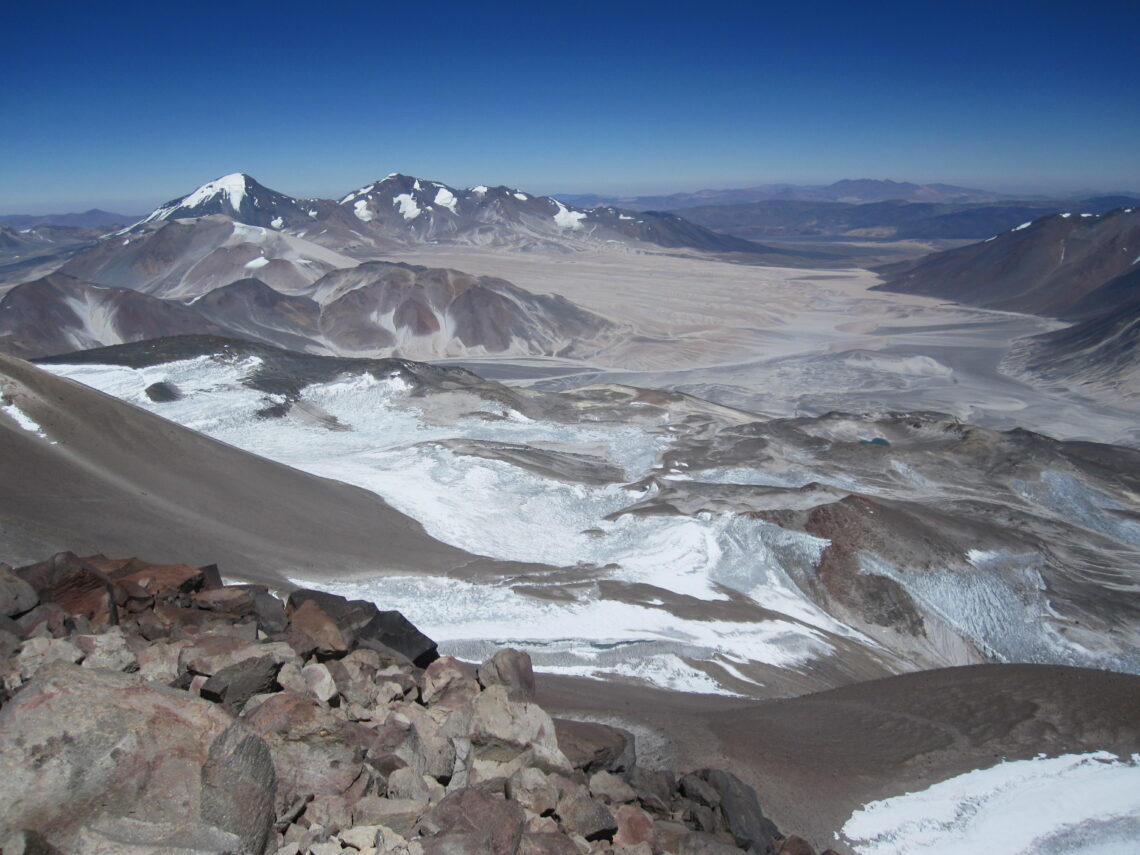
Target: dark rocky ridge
[
  {"x": 1051, "y": 266},
  {"x": 143, "y": 704}
]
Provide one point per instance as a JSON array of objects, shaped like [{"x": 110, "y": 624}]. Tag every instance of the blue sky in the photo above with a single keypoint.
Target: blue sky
[{"x": 126, "y": 105}]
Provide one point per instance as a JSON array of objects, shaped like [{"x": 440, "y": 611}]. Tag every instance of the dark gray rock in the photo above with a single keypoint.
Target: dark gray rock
[
  {"x": 238, "y": 787},
  {"x": 702, "y": 843},
  {"x": 654, "y": 789},
  {"x": 235, "y": 684},
  {"x": 16, "y": 595},
  {"x": 741, "y": 809},
  {"x": 392, "y": 630},
  {"x": 27, "y": 843},
  {"x": 699, "y": 790}
]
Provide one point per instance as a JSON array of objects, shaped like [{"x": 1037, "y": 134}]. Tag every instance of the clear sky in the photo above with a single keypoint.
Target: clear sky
[{"x": 126, "y": 105}]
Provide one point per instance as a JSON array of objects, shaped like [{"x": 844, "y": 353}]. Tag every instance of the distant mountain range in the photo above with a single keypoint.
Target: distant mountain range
[
  {"x": 93, "y": 219},
  {"x": 401, "y": 210},
  {"x": 853, "y": 191},
  {"x": 891, "y": 220},
  {"x": 234, "y": 257}
]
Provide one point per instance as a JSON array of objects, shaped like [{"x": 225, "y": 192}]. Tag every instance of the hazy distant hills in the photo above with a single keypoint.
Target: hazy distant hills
[
  {"x": 853, "y": 191},
  {"x": 93, "y": 219},
  {"x": 896, "y": 219}
]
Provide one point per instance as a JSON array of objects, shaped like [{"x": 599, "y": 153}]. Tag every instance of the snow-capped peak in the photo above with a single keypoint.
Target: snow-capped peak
[
  {"x": 233, "y": 187},
  {"x": 230, "y": 189}
]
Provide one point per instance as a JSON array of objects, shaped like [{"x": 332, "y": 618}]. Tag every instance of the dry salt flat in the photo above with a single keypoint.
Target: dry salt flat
[{"x": 786, "y": 341}]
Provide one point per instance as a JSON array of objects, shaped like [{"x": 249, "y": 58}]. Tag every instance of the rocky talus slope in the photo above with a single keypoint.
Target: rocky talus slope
[{"x": 152, "y": 709}]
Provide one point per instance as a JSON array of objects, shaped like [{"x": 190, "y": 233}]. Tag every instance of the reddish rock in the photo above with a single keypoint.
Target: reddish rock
[
  {"x": 164, "y": 580},
  {"x": 591, "y": 746},
  {"x": 76, "y": 586},
  {"x": 317, "y": 624},
  {"x": 314, "y": 751},
  {"x": 78, "y": 744},
  {"x": 793, "y": 845},
  {"x": 634, "y": 826},
  {"x": 233, "y": 600},
  {"x": 494, "y": 824}
]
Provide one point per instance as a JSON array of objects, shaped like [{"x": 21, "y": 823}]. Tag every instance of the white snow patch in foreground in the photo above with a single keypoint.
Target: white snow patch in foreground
[
  {"x": 1077, "y": 804},
  {"x": 24, "y": 420},
  {"x": 407, "y": 206},
  {"x": 254, "y": 264}
]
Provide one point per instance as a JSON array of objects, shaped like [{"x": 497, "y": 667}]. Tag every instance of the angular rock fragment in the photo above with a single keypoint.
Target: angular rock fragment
[
  {"x": 746, "y": 822},
  {"x": 77, "y": 745},
  {"x": 490, "y": 825},
  {"x": 511, "y": 668},
  {"x": 16, "y": 595},
  {"x": 591, "y": 746}
]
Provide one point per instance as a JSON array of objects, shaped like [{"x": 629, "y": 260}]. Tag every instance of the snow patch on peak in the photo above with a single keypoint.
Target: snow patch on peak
[
  {"x": 522, "y": 197},
  {"x": 416, "y": 185},
  {"x": 360, "y": 209},
  {"x": 256, "y": 263},
  {"x": 407, "y": 205},
  {"x": 445, "y": 199},
  {"x": 277, "y": 222},
  {"x": 1022, "y": 226},
  {"x": 481, "y": 190},
  {"x": 567, "y": 219},
  {"x": 233, "y": 187}
]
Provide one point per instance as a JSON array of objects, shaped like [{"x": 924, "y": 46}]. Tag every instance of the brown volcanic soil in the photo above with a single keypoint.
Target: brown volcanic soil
[{"x": 816, "y": 758}]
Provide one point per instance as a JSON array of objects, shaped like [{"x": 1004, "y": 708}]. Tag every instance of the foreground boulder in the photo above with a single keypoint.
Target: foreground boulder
[
  {"x": 84, "y": 747},
  {"x": 149, "y": 709}
]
